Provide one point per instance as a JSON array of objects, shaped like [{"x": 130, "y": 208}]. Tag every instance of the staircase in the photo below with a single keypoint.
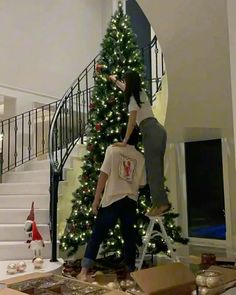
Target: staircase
[
  {"x": 24, "y": 141},
  {"x": 18, "y": 190}
]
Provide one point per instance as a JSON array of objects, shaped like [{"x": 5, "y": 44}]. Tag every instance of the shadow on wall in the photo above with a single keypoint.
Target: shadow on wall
[{"x": 161, "y": 102}]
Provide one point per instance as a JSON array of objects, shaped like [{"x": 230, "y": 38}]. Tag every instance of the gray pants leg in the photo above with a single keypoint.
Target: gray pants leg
[{"x": 154, "y": 141}]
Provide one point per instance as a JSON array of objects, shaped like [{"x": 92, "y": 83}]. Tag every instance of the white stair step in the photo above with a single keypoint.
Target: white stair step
[
  {"x": 28, "y": 188},
  {"x": 48, "y": 267},
  {"x": 27, "y": 176},
  {"x": 19, "y": 250},
  {"x": 19, "y": 216},
  {"x": 37, "y": 165},
  {"x": 15, "y": 232},
  {"x": 24, "y": 201}
]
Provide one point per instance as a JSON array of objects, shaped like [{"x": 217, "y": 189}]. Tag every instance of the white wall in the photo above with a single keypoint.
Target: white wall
[
  {"x": 231, "y": 8},
  {"x": 46, "y": 44},
  {"x": 194, "y": 38}
]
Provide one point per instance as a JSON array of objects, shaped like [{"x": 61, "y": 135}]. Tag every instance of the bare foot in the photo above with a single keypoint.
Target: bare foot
[
  {"x": 82, "y": 277},
  {"x": 158, "y": 211}
]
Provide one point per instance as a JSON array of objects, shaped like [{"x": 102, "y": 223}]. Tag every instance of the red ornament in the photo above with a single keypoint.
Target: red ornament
[
  {"x": 112, "y": 99},
  {"x": 90, "y": 147},
  {"x": 85, "y": 177},
  {"x": 98, "y": 68},
  {"x": 92, "y": 106},
  {"x": 98, "y": 126}
]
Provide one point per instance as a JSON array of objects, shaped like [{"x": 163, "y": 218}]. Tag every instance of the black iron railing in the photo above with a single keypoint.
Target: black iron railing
[
  {"x": 70, "y": 122},
  {"x": 25, "y": 137}
]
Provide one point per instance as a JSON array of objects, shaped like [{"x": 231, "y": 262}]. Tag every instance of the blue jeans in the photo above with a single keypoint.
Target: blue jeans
[{"x": 125, "y": 210}]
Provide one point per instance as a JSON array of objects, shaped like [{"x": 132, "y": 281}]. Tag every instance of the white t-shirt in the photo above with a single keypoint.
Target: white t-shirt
[
  {"x": 146, "y": 109},
  {"x": 125, "y": 167}
]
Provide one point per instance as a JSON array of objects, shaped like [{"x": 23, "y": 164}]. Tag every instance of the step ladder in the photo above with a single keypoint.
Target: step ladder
[{"x": 150, "y": 233}]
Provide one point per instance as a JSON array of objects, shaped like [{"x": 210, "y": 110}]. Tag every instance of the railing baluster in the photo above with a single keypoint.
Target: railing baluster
[
  {"x": 162, "y": 64},
  {"x": 69, "y": 114},
  {"x": 66, "y": 105},
  {"x": 29, "y": 146},
  {"x": 86, "y": 89},
  {"x": 56, "y": 141},
  {"x": 22, "y": 139},
  {"x": 36, "y": 132},
  {"x": 77, "y": 115},
  {"x": 16, "y": 129},
  {"x": 156, "y": 65},
  {"x": 72, "y": 117},
  {"x": 61, "y": 140},
  {"x": 9, "y": 143},
  {"x": 2, "y": 152},
  {"x": 83, "y": 112},
  {"x": 43, "y": 139}
]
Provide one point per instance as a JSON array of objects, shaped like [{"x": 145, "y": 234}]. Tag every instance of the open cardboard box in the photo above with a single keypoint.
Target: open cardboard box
[
  {"x": 168, "y": 279},
  {"x": 14, "y": 280},
  {"x": 175, "y": 279}
]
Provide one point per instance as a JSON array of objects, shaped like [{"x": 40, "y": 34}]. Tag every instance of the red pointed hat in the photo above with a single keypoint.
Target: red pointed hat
[
  {"x": 31, "y": 215},
  {"x": 36, "y": 236}
]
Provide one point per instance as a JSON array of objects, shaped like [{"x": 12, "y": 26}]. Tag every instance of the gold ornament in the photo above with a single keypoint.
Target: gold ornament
[
  {"x": 21, "y": 266},
  {"x": 11, "y": 269},
  {"x": 38, "y": 263},
  {"x": 112, "y": 285},
  {"x": 201, "y": 280},
  {"x": 129, "y": 283}
]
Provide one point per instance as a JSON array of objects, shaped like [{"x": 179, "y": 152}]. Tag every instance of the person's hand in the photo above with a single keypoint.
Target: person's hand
[
  {"x": 95, "y": 206},
  {"x": 113, "y": 78},
  {"x": 120, "y": 144}
]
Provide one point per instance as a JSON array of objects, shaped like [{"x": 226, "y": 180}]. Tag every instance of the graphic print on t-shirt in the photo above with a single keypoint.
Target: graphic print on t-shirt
[{"x": 127, "y": 168}]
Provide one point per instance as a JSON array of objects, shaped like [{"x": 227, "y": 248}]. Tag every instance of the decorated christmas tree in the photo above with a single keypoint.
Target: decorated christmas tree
[{"x": 108, "y": 113}]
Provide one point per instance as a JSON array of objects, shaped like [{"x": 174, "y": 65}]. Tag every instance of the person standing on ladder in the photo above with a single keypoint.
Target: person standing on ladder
[{"x": 154, "y": 138}]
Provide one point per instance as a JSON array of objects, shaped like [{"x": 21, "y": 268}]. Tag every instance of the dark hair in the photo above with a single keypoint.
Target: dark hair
[
  {"x": 132, "y": 87},
  {"x": 134, "y": 136}
]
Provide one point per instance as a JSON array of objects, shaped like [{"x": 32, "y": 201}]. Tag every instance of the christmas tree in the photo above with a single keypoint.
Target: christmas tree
[{"x": 108, "y": 113}]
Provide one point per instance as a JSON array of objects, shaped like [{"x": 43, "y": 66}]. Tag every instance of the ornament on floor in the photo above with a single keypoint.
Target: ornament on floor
[
  {"x": 38, "y": 263},
  {"x": 209, "y": 282},
  {"x": 37, "y": 243},
  {"x": 21, "y": 266},
  {"x": 29, "y": 223},
  {"x": 11, "y": 269},
  {"x": 126, "y": 284},
  {"x": 113, "y": 285}
]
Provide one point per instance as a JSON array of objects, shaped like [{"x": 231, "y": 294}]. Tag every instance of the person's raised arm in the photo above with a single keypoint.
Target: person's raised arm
[
  {"x": 117, "y": 82},
  {"x": 130, "y": 126},
  {"x": 129, "y": 130}
]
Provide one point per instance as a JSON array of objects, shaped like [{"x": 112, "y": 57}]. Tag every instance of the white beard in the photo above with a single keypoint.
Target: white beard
[
  {"x": 36, "y": 245},
  {"x": 28, "y": 226}
]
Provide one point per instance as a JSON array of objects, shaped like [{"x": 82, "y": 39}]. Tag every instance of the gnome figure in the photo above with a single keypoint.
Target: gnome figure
[
  {"x": 29, "y": 223},
  {"x": 36, "y": 243}
]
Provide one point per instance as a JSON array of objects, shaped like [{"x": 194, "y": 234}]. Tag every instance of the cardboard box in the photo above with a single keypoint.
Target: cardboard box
[
  {"x": 18, "y": 279},
  {"x": 57, "y": 289},
  {"x": 7, "y": 291},
  {"x": 169, "y": 279}
]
